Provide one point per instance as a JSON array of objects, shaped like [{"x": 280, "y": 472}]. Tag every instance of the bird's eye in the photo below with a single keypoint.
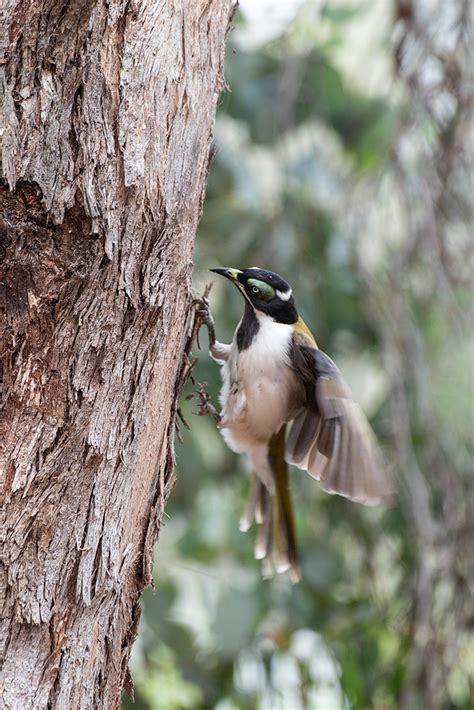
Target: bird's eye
[{"x": 261, "y": 289}]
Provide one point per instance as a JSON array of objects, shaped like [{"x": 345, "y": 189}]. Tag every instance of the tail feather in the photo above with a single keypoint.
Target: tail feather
[
  {"x": 286, "y": 554},
  {"x": 272, "y": 510}
]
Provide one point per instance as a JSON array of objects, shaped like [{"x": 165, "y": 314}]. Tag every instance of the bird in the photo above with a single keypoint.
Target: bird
[{"x": 284, "y": 401}]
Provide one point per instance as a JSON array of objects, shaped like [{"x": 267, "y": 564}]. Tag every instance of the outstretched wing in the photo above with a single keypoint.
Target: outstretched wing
[{"x": 331, "y": 437}]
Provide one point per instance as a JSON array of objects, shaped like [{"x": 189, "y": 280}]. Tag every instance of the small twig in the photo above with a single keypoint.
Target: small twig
[
  {"x": 202, "y": 316},
  {"x": 178, "y": 432},
  {"x": 183, "y": 419},
  {"x": 189, "y": 366}
]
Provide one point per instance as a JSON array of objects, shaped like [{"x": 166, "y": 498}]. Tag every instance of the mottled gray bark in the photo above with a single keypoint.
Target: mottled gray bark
[{"x": 108, "y": 111}]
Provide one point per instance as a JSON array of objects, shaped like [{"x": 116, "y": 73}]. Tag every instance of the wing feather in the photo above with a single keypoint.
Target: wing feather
[
  {"x": 301, "y": 436},
  {"x": 331, "y": 437}
]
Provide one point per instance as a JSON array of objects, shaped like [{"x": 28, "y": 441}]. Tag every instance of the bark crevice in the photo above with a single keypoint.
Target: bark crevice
[{"x": 108, "y": 112}]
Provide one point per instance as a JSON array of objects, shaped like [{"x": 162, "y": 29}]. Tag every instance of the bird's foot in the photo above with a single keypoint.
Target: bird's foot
[
  {"x": 204, "y": 315},
  {"x": 205, "y": 407}
]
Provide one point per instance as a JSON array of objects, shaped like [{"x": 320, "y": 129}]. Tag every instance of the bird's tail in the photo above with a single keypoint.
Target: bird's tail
[{"x": 272, "y": 511}]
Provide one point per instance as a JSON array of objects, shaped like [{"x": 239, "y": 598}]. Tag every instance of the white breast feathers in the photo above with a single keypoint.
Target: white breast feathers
[{"x": 260, "y": 391}]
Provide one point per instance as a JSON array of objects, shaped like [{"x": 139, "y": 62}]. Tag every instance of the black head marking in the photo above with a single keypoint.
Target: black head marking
[{"x": 268, "y": 293}]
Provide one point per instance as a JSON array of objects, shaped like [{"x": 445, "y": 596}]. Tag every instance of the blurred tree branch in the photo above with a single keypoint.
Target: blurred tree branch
[{"x": 431, "y": 176}]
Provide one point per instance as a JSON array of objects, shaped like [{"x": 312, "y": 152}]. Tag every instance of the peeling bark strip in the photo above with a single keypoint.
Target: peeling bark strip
[{"x": 108, "y": 111}]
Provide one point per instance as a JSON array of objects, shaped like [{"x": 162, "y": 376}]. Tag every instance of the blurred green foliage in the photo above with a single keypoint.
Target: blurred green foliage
[{"x": 305, "y": 151}]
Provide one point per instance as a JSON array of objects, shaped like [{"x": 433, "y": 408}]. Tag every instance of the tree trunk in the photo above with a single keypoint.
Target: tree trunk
[{"x": 108, "y": 112}]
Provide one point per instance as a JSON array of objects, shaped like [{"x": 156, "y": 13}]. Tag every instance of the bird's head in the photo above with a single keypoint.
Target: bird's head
[{"x": 265, "y": 291}]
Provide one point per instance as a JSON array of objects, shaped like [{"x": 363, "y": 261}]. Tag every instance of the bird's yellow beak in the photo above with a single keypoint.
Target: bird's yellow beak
[{"x": 230, "y": 274}]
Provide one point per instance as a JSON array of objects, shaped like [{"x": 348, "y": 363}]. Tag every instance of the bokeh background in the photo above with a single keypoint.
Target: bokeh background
[{"x": 343, "y": 161}]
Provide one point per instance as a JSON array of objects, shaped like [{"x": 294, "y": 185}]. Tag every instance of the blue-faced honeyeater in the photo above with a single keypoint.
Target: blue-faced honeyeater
[{"x": 275, "y": 378}]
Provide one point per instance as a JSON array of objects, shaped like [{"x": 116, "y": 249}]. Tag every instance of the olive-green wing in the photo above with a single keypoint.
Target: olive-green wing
[{"x": 331, "y": 437}]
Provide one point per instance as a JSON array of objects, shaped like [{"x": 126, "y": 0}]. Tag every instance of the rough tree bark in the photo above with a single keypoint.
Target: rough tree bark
[{"x": 108, "y": 112}]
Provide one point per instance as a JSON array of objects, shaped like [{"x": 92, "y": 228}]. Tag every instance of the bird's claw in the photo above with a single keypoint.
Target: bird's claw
[
  {"x": 203, "y": 312},
  {"x": 204, "y": 316},
  {"x": 205, "y": 407}
]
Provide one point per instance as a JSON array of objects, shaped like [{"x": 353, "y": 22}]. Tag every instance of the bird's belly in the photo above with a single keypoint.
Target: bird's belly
[{"x": 255, "y": 407}]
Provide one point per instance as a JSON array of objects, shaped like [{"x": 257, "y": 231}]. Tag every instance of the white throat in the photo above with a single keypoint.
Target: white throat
[{"x": 271, "y": 342}]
